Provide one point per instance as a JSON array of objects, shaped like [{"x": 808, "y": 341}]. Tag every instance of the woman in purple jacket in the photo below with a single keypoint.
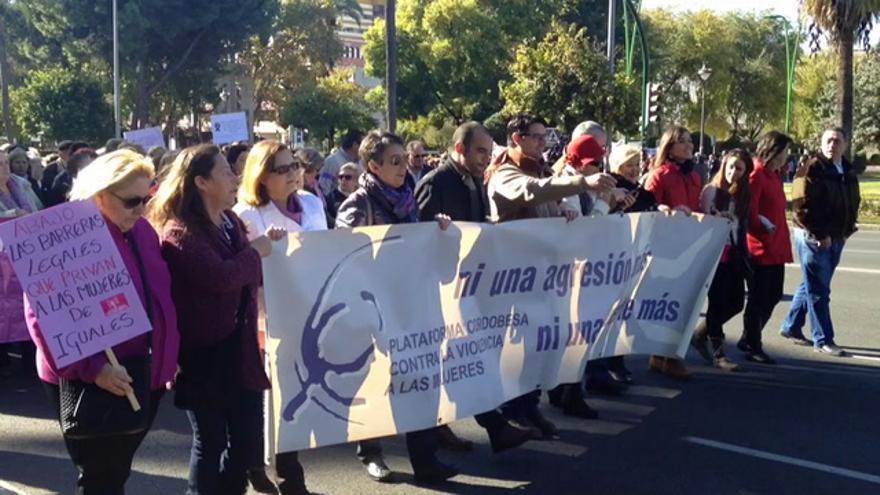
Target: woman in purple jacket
[
  {"x": 119, "y": 183},
  {"x": 216, "y": 276}
]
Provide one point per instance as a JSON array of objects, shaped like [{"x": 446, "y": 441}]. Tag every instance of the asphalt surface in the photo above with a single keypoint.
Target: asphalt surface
[{"x": 806, "y": 426}]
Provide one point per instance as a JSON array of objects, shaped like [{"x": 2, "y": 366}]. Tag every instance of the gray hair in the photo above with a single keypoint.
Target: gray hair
[{"x": 587, "y": 127}]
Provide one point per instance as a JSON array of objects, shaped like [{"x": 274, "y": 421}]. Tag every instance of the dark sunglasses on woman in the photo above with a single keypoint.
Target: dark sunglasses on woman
[
  {"x": 285, "y": 169},
  {"x": 133, "y": 202}
]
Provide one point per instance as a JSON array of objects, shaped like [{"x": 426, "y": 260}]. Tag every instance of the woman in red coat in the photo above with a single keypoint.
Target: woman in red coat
[
  {"x": 769, "y": 242},
  {"x": 677, "y": 186}
]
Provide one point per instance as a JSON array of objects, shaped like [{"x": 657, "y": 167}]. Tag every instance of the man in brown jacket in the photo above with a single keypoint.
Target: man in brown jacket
[
  {"x": 521, "y": 186},
  {"x": 825, "y": 197}
]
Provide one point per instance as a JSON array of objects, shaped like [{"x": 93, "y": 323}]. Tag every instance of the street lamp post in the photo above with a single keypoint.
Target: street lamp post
[
  {"x": 704, "y": 74},
  {"x": 391, "y": 65},
  {"x": 612, "y": 30},
  {"x": 792, "y": 39},
  {"x": 116, "y": 111}
]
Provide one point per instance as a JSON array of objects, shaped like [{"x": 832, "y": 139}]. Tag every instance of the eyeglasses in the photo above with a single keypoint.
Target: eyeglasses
[
  {"x": 346, "y": 177},
  {"x": 133, "y": 202},
  {"x": 285, "y": 169}
]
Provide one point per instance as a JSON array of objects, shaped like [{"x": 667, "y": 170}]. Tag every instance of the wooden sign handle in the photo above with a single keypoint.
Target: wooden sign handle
[{"x": 111, "y": 356}]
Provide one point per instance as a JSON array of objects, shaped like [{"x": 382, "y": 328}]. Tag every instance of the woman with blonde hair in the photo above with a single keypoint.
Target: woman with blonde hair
[
  {"x": 118, "y": 183},
  {"x": 271, "y": 195},
  {"x": 271, "y": 192},
  {"x": 217, "y": 271}
]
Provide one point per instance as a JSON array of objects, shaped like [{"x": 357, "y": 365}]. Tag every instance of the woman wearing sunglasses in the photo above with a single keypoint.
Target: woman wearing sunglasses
[
  {"x": 216, "y": 275},
  {"x": 119, "y": 184},
  {"x": 272, "y": 195},
  {"x": 271, "y": 192}
]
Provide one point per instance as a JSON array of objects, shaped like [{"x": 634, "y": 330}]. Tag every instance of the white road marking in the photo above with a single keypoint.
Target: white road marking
[
  {"x": 760, "y": 454},
  {"x": 861, "y": 251},
  {"x": 654, "y": 392},
  {"x": 866, "y": 358},
  {"x": 869, "y": 271},
  {"x": 555, "y": 447},
  {"x": 8, "y": 487}
]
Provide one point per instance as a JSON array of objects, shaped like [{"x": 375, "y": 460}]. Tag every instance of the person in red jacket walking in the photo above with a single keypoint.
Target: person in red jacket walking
[
  {"x": 676, "y": 186},
  {"x": 769, "y": 242}
]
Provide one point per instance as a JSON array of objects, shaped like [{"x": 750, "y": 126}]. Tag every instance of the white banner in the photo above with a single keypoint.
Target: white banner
[{"x": 385, "y": 330}]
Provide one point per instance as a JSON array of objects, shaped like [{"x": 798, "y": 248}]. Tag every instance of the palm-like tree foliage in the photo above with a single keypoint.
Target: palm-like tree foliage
[{"x": 845, "y": 21}]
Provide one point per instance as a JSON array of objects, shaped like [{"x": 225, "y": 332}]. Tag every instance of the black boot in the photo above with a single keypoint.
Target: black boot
[
  {"x": 260, "y": 482},
  {"x": 575, "y": 406}
]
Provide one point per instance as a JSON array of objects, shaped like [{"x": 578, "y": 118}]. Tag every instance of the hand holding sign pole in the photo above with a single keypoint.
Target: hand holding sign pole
[
  {"x": 75, "y": 281},
  {"x": 111, "y": 356}
]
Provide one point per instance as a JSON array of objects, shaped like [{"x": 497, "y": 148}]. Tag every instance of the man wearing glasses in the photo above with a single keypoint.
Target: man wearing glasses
[
  {"x": 348, "y": 183},
  {"x": 416, "y": 163}
]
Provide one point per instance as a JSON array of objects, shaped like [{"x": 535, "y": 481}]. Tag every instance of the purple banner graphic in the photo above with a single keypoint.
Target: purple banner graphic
[{"x": 74, "y": 280}]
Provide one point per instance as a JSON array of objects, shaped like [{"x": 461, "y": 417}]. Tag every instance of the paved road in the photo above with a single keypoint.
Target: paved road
[{"x": 807, "y": 425}]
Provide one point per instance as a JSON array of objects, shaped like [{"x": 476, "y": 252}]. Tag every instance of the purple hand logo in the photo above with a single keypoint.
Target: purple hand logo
[{"x": 317, "y": 367}]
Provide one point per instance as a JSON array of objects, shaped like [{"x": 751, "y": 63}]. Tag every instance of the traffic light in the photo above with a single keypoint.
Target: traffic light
[{"x": 655, "y": 91}]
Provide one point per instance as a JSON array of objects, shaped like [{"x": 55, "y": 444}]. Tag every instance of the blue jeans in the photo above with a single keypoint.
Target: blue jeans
[
  {"x": 813, "y": 295},
  {"x": 224, "y": 440}
]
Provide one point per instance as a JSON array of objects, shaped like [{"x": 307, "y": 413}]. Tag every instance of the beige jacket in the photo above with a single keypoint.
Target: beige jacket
[{"x": 515, "y": 195}]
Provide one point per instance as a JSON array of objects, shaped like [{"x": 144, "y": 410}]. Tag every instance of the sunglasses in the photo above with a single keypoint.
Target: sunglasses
[
  {"x": 285, "y": 169},
  {"x": 346, "y": 176},
  {"x": 134, "y": 202}
]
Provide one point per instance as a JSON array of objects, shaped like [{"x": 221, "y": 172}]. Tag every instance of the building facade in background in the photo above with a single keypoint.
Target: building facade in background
[{"x": 351, "y": 34}]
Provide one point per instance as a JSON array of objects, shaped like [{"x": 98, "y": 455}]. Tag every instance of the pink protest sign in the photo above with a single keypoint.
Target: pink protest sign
[
  {"x": 75, "y": 280},
  {"x": 12, "y": 325}
]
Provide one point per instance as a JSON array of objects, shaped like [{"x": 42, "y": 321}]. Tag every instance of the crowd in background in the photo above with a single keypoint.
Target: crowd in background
[{"x": 193, "y": 225}]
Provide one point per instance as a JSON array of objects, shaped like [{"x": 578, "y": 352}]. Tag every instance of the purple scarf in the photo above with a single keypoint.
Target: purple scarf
[
  {"x": 20, "y": 197},
  {"x": 400, "y": 201},
  {"x": 294, "y": 210}
]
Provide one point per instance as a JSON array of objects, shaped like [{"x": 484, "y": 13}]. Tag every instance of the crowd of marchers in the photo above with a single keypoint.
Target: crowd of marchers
[{"x": 192, "y": 227}]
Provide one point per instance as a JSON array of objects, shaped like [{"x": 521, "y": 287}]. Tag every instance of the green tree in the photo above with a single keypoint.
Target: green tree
[
  {"x": 160, "y": 40},
  {"x": 819, "y": 99},
  {"x": 814, "y": 101},
  {"x": 333, "y": 102},
  {"x": 845, "y": 21},
  {"x": 58, "y": 103},
  {"x": 746, "y": 92},
  {"x": 453, "y": 53},
  {"x": 564, "y": 78}
]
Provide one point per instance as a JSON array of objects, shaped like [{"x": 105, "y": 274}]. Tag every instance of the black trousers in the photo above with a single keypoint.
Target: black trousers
[
  {"x": 765, "y": 292},
  {"x": 104, "y": 463},
  {"x": 726, "y": 299},
  {"x": 224, "y": 439},
  {"x": 422, "y": 447},
  {"x": 491, "y": 421},
  {"x": 522, "y": 406},
  {"x": 291, "y": 478}
]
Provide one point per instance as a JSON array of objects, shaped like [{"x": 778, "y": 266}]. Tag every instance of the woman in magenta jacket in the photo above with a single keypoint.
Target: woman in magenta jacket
[
  {"x": 769, "y": 241},
  {"x": 676, "y": 186},
  {"x": 119, "y": 183}
]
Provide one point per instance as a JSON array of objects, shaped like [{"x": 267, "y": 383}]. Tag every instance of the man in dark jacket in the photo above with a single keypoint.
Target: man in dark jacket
[
  {"x": 455, "y": 188},
  {"x": 825, "y": 197}
]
